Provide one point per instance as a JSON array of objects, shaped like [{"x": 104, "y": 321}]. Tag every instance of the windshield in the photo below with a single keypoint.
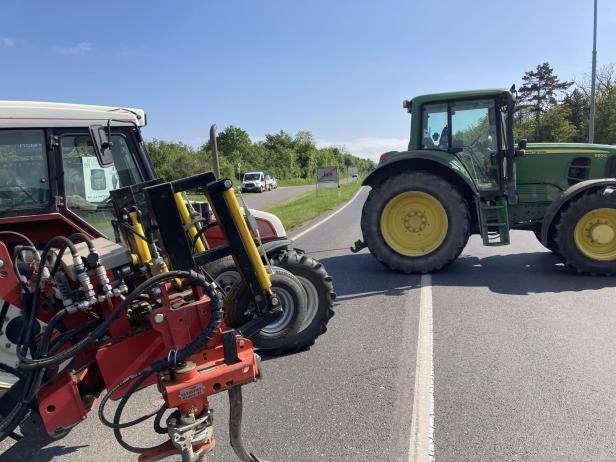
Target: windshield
[
  {"x": 87, "y": 184},
  {"x": 23, "y": 170},
  {"x": 252, "y": 176}
]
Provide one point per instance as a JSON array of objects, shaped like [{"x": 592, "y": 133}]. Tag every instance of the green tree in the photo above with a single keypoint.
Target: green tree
[{"x": 540, "y": 91}]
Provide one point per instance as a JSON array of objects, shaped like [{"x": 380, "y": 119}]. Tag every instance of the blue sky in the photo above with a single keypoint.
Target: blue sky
[{"x": 337, "y": 68}]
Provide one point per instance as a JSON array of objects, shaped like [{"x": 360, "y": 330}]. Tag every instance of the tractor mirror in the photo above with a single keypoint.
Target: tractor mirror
[
  {"x": 102, "y": 144},
  {"x": 522, "y": 143}
]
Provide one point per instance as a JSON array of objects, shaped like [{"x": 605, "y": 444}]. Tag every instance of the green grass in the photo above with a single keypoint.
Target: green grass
[
  {"x": 309, "y": 205},
  {"x": 296, "y": 182}
]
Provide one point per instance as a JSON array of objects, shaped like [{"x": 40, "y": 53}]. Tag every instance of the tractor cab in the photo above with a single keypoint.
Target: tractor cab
[
  {"x": 473, "y": 127},
  {"x": 61, "y": 161}
]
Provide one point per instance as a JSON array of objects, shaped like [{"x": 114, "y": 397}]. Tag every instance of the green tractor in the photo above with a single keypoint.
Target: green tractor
[{"x": 463, "y": 175}]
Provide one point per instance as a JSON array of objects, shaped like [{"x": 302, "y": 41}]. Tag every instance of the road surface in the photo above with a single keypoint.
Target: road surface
[
  {"x": 261, "y": 201},
  {"x": 521, "y": 366}
]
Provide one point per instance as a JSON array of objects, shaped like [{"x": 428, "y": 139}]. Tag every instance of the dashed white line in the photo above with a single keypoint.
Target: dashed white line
[
  {"x": 421, "y": 447},
  {"x": 306, "y": 231}
]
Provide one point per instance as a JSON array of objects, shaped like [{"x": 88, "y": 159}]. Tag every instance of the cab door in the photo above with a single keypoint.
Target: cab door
[{"x": 477, "y": 141}]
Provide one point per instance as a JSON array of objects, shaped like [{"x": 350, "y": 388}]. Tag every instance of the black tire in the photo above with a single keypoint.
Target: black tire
[
  {"x": 314, "y": 279},
  {"x": 223, "y": 272},
  {"x": 564, "y": 237},
  {"x": 279, "y": 334},
  {"x": 450, "y": 198},
  {"x": 319, "y": 291}
]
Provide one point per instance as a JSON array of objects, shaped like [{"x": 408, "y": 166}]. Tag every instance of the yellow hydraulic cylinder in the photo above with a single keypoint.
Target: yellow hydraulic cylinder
[
  {"x": 187, "y": 219},
  {"x": 142, "y": 246},
  {"x": 249, "y": 243}
]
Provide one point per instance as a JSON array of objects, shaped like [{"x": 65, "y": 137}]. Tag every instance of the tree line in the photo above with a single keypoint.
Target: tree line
[
  {"x": 550, "y": 109},
  {"x": 285, "y": 155}
]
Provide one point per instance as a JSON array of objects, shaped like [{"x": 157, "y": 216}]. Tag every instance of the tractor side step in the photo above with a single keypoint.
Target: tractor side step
[{"x": 493, "y": 217}]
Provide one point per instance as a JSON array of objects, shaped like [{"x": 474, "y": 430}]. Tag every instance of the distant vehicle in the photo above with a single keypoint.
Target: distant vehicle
[
  {"x": 254, "y": 181},
  {"x": 355, "y": 176},
  {"x": 270, "y": 182}
]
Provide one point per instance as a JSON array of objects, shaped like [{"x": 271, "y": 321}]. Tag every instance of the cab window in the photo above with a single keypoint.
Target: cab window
[
  {"x": 23, "y": 170},
  {"x": 435, "y": 131},
  {"x": 87, "y": 184}
]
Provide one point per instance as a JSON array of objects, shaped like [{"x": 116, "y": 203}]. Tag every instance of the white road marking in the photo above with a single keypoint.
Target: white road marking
[
  {"x": 421, "y": 447},
  {"x": 306, "y": 231}
]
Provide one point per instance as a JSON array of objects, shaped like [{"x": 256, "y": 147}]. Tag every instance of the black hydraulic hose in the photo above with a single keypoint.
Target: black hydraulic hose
[
  {"x": 102, "y": 328},
  {"x": 29, "y": 331},
  {"x": 69, "y": 334},
  {"x": 19, "y": 235},
  {"x": 32, "y": 380},
  {"x": 116, "y": 387},
  {"x": 197, "y": 344},
  {"x": 84, "y": 238}
]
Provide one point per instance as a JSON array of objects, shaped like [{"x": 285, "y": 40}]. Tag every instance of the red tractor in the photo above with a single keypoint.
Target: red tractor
[{"x": 177, "y": 298}]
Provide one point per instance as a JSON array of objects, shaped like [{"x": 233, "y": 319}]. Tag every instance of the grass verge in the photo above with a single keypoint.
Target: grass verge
[{"x": 309, "y": 205}]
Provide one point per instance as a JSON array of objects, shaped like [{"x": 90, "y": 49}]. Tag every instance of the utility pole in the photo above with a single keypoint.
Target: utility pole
[{"x": 591, "y": 121}]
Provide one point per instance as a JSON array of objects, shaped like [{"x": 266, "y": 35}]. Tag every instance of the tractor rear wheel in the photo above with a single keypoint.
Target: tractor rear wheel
[
  {"x": 415, "y": 222},
  {"x": 585, "y": 234}
]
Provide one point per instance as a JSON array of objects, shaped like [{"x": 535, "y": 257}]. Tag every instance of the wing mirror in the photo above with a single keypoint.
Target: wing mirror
[{"x": 101, "y": 137}]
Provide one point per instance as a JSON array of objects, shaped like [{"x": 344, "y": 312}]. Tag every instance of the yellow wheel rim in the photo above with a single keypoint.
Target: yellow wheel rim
[
  {"x": 414, "y": 223},
  {"x": 595, "y": 234}
]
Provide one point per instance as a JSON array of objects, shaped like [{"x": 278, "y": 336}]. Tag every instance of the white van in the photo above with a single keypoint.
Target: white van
[{"x": 253, "y": 181}]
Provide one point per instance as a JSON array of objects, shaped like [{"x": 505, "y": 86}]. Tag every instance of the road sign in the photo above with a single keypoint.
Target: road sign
[{"x": 328, "y": 177}]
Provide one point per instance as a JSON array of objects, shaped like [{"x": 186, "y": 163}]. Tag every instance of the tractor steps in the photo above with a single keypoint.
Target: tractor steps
[{"x": 493, "y": 221}]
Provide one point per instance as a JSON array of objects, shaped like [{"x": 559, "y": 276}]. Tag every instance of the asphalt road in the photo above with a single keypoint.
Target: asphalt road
[
  {"x": 261, "y": 201},
  {"x": 524, "y": 358}
]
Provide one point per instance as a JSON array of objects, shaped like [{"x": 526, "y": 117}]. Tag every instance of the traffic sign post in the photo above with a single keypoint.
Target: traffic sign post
[{"x": 328, "y": 177}]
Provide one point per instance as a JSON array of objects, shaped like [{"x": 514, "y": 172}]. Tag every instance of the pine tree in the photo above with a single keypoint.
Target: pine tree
[{"x": 540, "y": 92}]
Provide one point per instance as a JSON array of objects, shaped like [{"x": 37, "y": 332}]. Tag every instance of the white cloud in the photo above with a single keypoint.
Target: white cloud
[
  {"x": 82, "y": 48},
  {"x": 8, "y": 42},
  {"x": 368, "y": 147}
]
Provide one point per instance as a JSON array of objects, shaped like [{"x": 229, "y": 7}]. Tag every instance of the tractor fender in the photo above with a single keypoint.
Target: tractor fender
[
  {"x": 443, "y": 164},
  {"x": 571, "y": 193},
  {"x": 271, "y": 247}
]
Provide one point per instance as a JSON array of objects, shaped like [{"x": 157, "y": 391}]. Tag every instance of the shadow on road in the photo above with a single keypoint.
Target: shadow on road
[
  {"x": 361, "y": 275},
  {"x": 30, "y": 450}
]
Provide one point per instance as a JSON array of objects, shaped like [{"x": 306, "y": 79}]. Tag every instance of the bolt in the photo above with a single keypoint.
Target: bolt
[
  {"x": 242, "y": 343},
  {"x": 1, "y": 263},
  {"x": 275, "y": 301},
  {"x": 158, "y": 318}
]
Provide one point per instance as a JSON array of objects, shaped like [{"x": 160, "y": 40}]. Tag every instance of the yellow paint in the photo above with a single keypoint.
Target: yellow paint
[
  {"x": 142, "y": 246},
  {"x": 186, "y": 219},
  {"x": 414, "y": 223},
  {"x": 247, "y": 239},
  {"x": 564, "y": 151},
  {"x": 595, "y": 234}
]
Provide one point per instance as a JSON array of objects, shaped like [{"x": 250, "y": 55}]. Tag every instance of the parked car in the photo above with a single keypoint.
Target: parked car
[
  {"x": 270, "y": 182},
  {"x": 254, "y": 181}
]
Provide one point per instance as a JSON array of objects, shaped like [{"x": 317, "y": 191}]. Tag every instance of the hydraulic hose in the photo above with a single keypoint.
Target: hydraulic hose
[{"x": 101, "y": 329}]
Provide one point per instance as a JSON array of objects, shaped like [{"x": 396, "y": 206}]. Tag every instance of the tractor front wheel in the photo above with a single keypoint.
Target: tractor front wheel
[
  {"x": 585, "y": 234},
  {"x": 415, "y": 222},
  {"x": 239, "y": 309}
]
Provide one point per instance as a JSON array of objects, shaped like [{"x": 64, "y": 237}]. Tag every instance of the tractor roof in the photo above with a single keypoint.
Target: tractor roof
[
  {"x": 435, "y": 97},
  {"x": 22, "y": 114}
]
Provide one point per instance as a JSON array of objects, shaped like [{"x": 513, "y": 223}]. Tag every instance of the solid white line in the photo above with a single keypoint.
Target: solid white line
[
  {"x": 297, "y": 236},
  {"x": 421, "y": 447}
]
